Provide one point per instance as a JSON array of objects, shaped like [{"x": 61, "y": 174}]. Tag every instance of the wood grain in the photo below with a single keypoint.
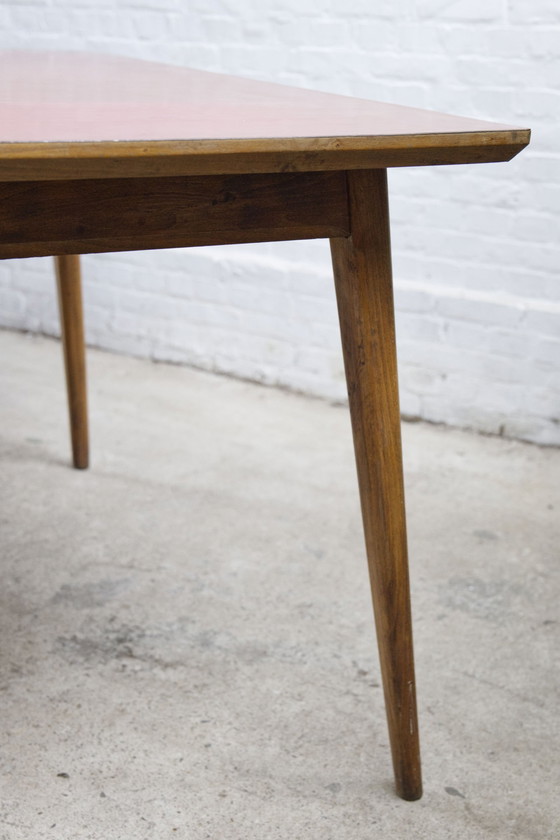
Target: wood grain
[
  {"x": 72, "y": 332},
  {"x": 362, "y": 268},
  {"x": 66, "y": 217},
  {"x": 61, "y": 161}
]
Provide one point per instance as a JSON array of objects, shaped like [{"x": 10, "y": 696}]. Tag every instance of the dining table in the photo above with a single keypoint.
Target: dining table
[{"x": 104, "y": 153}]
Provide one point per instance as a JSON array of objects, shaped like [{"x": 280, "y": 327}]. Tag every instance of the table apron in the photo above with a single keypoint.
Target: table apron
[{"x": 40, "y": 218}]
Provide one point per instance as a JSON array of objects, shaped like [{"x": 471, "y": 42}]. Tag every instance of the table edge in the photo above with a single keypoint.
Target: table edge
[{"x": 49, "y": 160}]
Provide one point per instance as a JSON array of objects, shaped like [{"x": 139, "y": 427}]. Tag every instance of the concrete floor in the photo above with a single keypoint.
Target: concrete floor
[{"x": 187, "y": 639}]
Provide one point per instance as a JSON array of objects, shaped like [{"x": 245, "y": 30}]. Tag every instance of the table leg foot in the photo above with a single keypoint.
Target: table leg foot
[
  {"x": 362, "y": 269},
  {"x": 72, "y": 332}
]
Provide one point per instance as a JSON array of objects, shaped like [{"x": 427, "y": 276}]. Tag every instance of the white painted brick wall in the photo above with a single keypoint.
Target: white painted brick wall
[{"x": 476, "y": 249}]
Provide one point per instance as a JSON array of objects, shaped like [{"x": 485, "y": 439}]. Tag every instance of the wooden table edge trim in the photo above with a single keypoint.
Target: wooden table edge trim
[{"x": 20, "y": 161}]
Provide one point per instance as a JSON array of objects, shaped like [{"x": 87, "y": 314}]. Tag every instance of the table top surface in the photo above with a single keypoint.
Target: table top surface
[{"x": 61, "y": 106}]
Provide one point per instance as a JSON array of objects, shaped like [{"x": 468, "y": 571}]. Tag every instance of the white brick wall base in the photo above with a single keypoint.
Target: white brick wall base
[{"x": 233, "y": 310}]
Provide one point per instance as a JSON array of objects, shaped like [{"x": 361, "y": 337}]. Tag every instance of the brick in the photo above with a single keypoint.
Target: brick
[
  {"x": 12, "y": 304},
  {"x": 478, "y": 311},
  {"x": 545, "y": 431},
  {"x": 534, "y": 255},
  {"x": 470, "y": 11},
  {"x": 490, "y": 72},
  {"x": 430, "y": 356},
  {"x": 545, "y": 402},
  {"x": 417, "y": 327},
  {"x": 541, "y": 168},
  {"x": 493, "y": 222},
  {"x": 414, "y": 38},
  {"x": 497, "y": 105},
  {"x": 536, "y": 227},
  {"x": 543, "y": 323},
  {"x": 412, "y": 300},
  {"x": 315, "y": 360},
  {"x": 384, "y": 9},
  {"x": 513, "y": 343},
  {"x": 270, "y": 325},
  {"x": 543, "y": 11},
  {"x": 215, "y": 28},
  {"x": 104, "y": 297},
  {"x": 148, "y": 24},
  {"x": 132, "y": 345},
  {"x": 539, "y": 104},
  {"x": 498, "y": 397},
  {"x": 504, "y": 42},
  {"x": 419, "y": 380},
  {"x": 541, "y": 42},
  {"x": 37, "y": 20},
  {"x": 410, "y": 405},
  {"x": 546, "y": 350}
]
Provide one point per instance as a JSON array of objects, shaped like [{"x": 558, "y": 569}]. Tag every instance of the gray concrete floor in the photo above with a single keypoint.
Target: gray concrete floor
[{"x": 187, "y": 640}]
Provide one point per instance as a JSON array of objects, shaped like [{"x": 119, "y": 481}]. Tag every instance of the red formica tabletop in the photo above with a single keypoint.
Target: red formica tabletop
[{"x": 81, "y": 115}]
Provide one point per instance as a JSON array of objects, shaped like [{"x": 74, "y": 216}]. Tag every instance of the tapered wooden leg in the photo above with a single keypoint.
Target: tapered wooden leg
[
  {"x": 72, "y": 331},
  {"x": 362, "y": 269}
]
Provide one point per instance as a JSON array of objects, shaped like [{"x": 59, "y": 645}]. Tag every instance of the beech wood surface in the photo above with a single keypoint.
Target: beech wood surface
[
  {"x": 83, "y": 115},
  {"x": 58, "y": 217},
  {"x": 362, "y": 269},
  {"x": 69, "y": 285}
]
